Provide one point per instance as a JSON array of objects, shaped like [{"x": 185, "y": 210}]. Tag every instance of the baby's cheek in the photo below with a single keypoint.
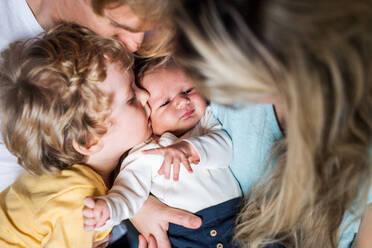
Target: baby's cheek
[{"x": 201, "y": 104}]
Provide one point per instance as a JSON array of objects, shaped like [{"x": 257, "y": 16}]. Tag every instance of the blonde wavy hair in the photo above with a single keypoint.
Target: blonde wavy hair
[
  {"x": 154, "y": 12},
  {"x": 316, "y": 56},
  {"x": 50, "y": 96}
]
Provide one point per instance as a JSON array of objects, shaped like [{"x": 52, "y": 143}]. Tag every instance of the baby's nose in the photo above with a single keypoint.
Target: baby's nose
[{"x": 182, "y": 102}]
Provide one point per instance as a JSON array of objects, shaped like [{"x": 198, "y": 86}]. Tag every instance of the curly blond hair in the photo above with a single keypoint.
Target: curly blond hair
[{"x": 50, "y": 95}]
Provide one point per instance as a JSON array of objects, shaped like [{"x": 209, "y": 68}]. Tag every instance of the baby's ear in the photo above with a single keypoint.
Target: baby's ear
[{"x": 89, "y": 150}]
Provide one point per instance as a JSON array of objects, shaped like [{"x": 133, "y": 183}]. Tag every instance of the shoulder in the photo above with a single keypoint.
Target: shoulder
[
  {"x": 76, "y": 183},
  {"x": 50, "y": 198},
  {"x": 136, "y": 155},
  {"x": 136, "y": 151},
  {"x": 255, "y": 118}
]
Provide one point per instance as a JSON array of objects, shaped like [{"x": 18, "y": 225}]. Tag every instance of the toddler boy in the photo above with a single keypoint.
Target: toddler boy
[{"x": 70, "y": 109}]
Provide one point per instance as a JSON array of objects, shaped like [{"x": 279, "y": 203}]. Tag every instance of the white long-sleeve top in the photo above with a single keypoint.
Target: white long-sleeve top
[{"x": 210, "y": 183}]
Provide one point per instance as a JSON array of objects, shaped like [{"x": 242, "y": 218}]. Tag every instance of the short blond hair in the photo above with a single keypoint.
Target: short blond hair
[
  {"x": 50, "y": 96},
  {"x": 157, "y": 13}
]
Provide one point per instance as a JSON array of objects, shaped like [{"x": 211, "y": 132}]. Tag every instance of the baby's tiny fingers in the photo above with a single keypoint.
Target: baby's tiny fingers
[
  {"x": 186, "y": 163},
  {"x": 163, "y": 167},
  {"x": 88, "y": 228},
  {"x": 89, "y": 202},
  {"x": 176, "y": 171},
  {"x": 100, "y": 222},
  {"x": 88, "y": 213},
  {"x": 167, "y": 166},
  {"x": 153, "y": 151},
  {"x": 90, "y": 221}
]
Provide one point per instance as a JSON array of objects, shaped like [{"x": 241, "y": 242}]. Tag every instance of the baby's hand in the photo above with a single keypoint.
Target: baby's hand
[
  {"x": 95, "y": 213},
  {"x": 182, "y": 152}
]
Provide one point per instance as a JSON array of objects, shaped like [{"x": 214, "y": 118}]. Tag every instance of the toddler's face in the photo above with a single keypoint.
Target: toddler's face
[
  {"x": 176, "y": 106},
  {"x": 129, "y": 122}
]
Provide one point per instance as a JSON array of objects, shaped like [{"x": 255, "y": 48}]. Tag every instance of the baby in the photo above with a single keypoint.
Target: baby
[{"x": 186, "y": 131}]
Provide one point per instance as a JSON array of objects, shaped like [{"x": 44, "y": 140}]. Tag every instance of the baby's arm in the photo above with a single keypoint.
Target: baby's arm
[
  {"x": 130, "y": 190},
  {"x": 214, "y": 148}
]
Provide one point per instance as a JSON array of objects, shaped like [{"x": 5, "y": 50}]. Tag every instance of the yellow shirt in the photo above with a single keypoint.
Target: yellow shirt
[{"x": 46, "y": 211}]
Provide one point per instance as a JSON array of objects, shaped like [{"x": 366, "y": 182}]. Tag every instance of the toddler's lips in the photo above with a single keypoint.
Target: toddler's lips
[{"x": 188, "y": 114}]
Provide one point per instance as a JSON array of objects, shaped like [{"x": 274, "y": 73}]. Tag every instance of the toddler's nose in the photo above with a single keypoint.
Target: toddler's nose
[{"x": 142, "y": 96}]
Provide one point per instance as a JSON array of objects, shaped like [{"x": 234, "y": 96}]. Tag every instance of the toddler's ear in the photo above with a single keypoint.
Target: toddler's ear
[{"x": 88, "y": 150}]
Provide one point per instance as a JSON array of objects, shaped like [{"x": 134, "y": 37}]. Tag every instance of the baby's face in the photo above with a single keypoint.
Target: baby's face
[{"x": 175, "y": 104}]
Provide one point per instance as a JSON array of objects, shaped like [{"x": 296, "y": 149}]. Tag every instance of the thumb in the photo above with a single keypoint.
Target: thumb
[
  {"x": 194, "y": 159},
  {"x": 184, "y": 218},
  {"x": 89, "y": 202}
]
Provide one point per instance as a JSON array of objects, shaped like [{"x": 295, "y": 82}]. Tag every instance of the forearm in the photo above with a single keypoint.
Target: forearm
[
  {"x": 130, "y": 190},
  {"x": 214, "y": 148}
]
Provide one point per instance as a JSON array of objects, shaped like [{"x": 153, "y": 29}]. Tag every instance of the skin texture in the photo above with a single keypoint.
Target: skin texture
[
  {"x": 120, "y": 23},
  {"x": 175, "y": 155},
  {"x": 180, "y": 96},
  {"x": 176, "y": 107},
  {"x": 175, "y": 104},
  {"x": 154, "y": 234},
  {"x": 364, "y": 237},
  {"x": 127, "y": 125}
]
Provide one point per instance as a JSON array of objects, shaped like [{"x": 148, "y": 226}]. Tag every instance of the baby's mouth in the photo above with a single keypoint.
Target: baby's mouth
[{"x": 188, "y": 114}]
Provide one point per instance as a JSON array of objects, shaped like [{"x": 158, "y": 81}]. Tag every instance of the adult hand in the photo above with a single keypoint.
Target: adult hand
[
  {"x": 143, "y": 243},
  {"x": 154, "y": 218}
]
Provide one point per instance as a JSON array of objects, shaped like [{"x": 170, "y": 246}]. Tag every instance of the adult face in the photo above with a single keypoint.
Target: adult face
[{"x": 120, "y": 23}]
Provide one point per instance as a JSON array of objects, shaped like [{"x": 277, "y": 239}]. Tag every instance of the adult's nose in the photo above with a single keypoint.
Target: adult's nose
[{"x": 131, "y": 40}]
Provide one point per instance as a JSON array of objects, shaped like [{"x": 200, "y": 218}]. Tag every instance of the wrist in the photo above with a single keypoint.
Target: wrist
[{"x": 190, "y": 150}]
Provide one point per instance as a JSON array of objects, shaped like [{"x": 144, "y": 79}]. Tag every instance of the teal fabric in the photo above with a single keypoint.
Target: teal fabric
[
  {"x": 253, "y": 130},
  {"x": 350, "y": 225}
]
